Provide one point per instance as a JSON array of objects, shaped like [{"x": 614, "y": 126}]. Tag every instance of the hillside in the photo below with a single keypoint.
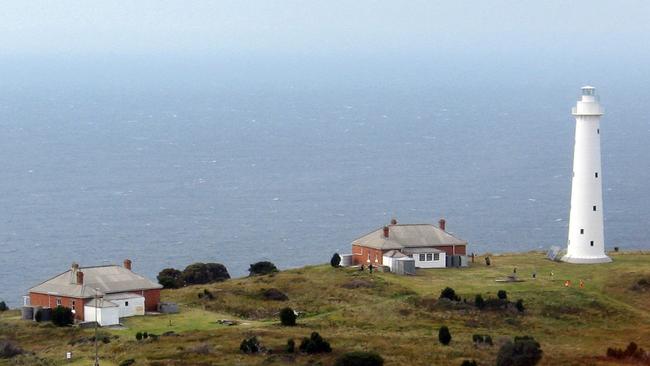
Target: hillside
[{"x": 396, "y": 316}]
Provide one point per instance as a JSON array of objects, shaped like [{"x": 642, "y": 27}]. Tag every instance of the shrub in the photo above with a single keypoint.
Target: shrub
[
  {"x": 62, "y": 316},
  {"x": 469, "y": 363},
  {"x": 520, "y": 305},
  {"x": 201, "y": 273},
  {"x": 291, "y": 346},
  {"x": 479, "y": 302},
  {"x": 9, "y": 349},
  {"x": 202, "y": 349},
  {"x": 632, "y": 351},
  {"x": 274, "y": 294},
  {"x": 524, "y": 351},
  {"x": 138, "y": 336},
  {"x": 444, "y": 336},
  {"x": 315, "y": 344},
  {"x": 262, "y": 268},
  {"x": 206, "y": 294},
  {"x": 449, "y": 293},
  {"x": 287, "y": 317},
  {"x": 250, "y": 345},
  {"x": 127, "y": 362},
  {"x": 360, "y": 359},
  {"x": 482, "y": 339},
  {"x": 170, "y": 278},
  {"x": 336, "y": 260},
  {"x": 145, "y": 335},
  {"x": 3, "y": 306},
  {"x": 502, "y": 295}
]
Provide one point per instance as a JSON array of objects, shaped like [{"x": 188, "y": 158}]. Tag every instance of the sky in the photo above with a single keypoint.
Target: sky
[{"x": 471, "y": 39}]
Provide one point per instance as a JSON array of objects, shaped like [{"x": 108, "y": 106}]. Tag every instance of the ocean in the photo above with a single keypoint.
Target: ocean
[{"x": 168, "y": 175}]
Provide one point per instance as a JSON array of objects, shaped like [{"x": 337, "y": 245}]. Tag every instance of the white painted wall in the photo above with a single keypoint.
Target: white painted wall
[
  {"x": 586, "y": 239},
  {"x": 129, "y": 307},
  {"x": 105, "y": 316},
  {"x": 388, "y": 261},
  {"x": 440, "y": 263}
]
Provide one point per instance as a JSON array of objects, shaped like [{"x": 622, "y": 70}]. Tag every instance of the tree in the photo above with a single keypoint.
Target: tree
[
  {"x": 201, "y": 273},
  {"x": 62, "y": 316},
  {"x": 444, "y": 336},
  {"x": 217, "y": 272},
  {"x": 524, "y": 351},
  {"x": 170, "y": 278},
  {"x": 449, "y": 293},
  {"x": 360, "y": 359},
  {"x": 336, "y": 260},
  {"x": 287, "y": 317},
  {"x": 315, "y": 344},
  {"x": 479, "y": 302},
  {"x": 502, "y": 295},
  {"x": 3, "y": 306},
  {"x": 262, "y": 268}
]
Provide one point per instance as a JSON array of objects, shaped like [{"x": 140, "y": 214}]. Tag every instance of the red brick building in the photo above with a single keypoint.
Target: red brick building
[
  {"x": 78, "y": 286},
  {"x": 426, "y": 243}
]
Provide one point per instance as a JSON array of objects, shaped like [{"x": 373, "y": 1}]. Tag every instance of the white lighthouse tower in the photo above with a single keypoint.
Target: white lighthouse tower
[{"x": 586, "y": 238}]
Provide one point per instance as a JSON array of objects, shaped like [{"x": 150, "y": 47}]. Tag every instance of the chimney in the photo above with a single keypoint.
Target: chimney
[
  {"x": 393, "y": 221},
  {"x": 74, "y": 269},
  {"x": 80, "y": 278},
  {"x": 127, "y": 264},
  {"x": 441, "y": 224},
  {"x": 386, "y": 230}
]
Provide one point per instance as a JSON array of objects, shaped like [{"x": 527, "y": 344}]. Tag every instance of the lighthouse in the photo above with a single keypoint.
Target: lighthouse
[{"x": 586, "y": 243}]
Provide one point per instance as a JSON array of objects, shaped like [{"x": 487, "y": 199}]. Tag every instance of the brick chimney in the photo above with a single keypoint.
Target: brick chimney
[
  {"x": 393, "y": 221},
  {"x": 74, "y": 268},
  {"x": 386, "y": 231},
  {"x": 442, "y": 224},
  {"x": 127, "y": 264},
  {"x": 80, "y": 278}
]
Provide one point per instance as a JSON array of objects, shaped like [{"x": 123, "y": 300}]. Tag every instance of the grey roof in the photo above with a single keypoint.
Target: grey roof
[
  {"x": 122, "y": 296},
  {"x": 102, "y": 304},
  {"x": 108, "y": 279},
  {"x": 395, "y": 254},
  {"x": 402, "y": 236},
  {"x": 422, "y": 250}
]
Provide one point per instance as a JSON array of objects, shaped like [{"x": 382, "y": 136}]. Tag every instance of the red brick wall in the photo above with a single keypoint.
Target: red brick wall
[
  {"x": 449, "y": 249},
  {"x": 461, "y": 250},
  {"x": 360, "y": 255},
  {"x": 151, "y": 298},
  {"x": 49, "y": 301}
]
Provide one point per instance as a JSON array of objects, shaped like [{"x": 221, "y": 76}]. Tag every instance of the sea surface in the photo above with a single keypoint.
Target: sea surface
[{"x": 169, "y": 176}]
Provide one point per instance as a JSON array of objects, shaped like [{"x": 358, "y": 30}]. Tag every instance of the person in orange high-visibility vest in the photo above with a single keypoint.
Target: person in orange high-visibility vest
[
  {"x": 582, "y": 284},
  {"x": 567, "y": 283}
]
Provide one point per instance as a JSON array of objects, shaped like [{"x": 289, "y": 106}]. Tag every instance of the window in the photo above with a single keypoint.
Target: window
[
  {"x": 592, "y": 243},
  {"x": 596, "y": 174},
  {"x": 376, "y": 260},
  {"x": 436, "y": 256},
  {"x": 58, "y": 301},
  {"x": 73, "y": 304},
  {"x": 421, "y": 257},
  {"x": 594, "y": 208},
  {"x": 429, "y": 257},
  {"x": 126, "y": 303},
  {"x": 582, "y": 231}
]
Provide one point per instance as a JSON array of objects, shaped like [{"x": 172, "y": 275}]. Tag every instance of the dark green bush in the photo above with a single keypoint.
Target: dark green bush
[
  {"x": 336, "y": 260},
  {"x": 524, "y": 351},
  {"x": 631, "y": 352},
  {"x": 315, "y": 344},
  {"x": 250, "y": 345},
  {"x": 62, "y": 316},
  {"x": 3, "y": 306},
  {"x": 291, "y": 346},
  {"x": 444, "y": 336},
  {"x": 502, "y": 295},
  {"x": 138, "y": 336},
  {"x": 274, "y": 294},
  {"x": 170, "y": 278},
  {"x": 201, "y": 273},
  {"x": 520, "y": 305},
  {"x": 360, "y": 359},
  {"x": 449, "y": 293},
  {"x": 127, "y": 362},
  {"x": 287, "y": 317},
  {"x": 9, "y": 349},
  {"x": 469, "y": 363},
  {"x": 479, "y": 302},
  {"x": 145, "y": 335},
  {"x": 262, "y": 268}
]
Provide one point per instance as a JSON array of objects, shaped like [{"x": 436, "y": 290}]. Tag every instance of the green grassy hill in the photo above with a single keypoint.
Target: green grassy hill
[{"x": 396, "y": 316}]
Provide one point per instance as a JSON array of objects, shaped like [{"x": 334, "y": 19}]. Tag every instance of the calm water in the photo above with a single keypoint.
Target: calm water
[{"x": 169, "y": 176}]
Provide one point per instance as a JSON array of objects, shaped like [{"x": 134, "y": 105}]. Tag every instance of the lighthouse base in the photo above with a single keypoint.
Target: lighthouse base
[{"x": 586, "y": 260}]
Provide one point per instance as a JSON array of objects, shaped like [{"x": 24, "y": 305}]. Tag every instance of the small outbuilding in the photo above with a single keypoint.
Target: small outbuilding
[{"x": 104, "y": 312}]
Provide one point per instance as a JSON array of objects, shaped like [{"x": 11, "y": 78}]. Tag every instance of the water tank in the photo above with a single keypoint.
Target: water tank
[
  {"x": 46, "y": 314},
  {"x": 37, "y": 310},
  {"x": 27, "y": 313}
]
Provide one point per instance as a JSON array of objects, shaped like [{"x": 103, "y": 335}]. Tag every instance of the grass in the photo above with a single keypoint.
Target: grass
[{"x": 395, "y": 316}]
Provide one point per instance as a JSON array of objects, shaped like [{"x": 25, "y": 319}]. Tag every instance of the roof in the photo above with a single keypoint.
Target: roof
[
  {"x": 102, "y": 304},
  {"x": 107, "y": 279},
  {"x": 395, "y": 254},
  {"x": 123, "y": 296},
  {"x": 422, "y": 250},
  {"x": 403, "y": 236}
]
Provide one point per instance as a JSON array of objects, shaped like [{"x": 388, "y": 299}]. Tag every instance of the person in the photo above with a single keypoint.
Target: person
[
  {"x": 534, "y": 275},
  {"x": 370, "y": 267},
  {"x": 514, "y": 270},
  {"x": 487, "y": 261},
  {"x": 582, "y": 284}
]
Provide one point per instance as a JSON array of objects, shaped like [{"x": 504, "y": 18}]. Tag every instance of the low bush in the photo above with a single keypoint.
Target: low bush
[
  {"x": 520, "y": 305},
  {"x": 3, "y": 306},
  {"x": 170, "y": 278},
  {"x": 274, "y": 294},
  {"x": 138, "y": 336},
  {"x": 524, "y": 351},
  {"x": 336, "y": 260},
  {"x": 291, "y": 346},
  {"x": 360, "y": 359},
  {"x": 202, "y": 349},
  {"x": 479, "y": 302},
  {"x": 449, "y": 293},
  {"x": 62, "y": 316},
  {"x": 631, "y": 352},
  {"x": 444, "y": 336},
  {"x": 502, "y": 295},
  {"x": 287, "y": 317},
  {"x": 480, "y": 339},
  {"x": 206, "y": 294},
  {"x": 315, "y": 344},
  {"x": 127, "y": 362},
  {"x": 250, "y": 345},
  {"x": 262, "y": 268},
  {"x": 9, "y": 349}
]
